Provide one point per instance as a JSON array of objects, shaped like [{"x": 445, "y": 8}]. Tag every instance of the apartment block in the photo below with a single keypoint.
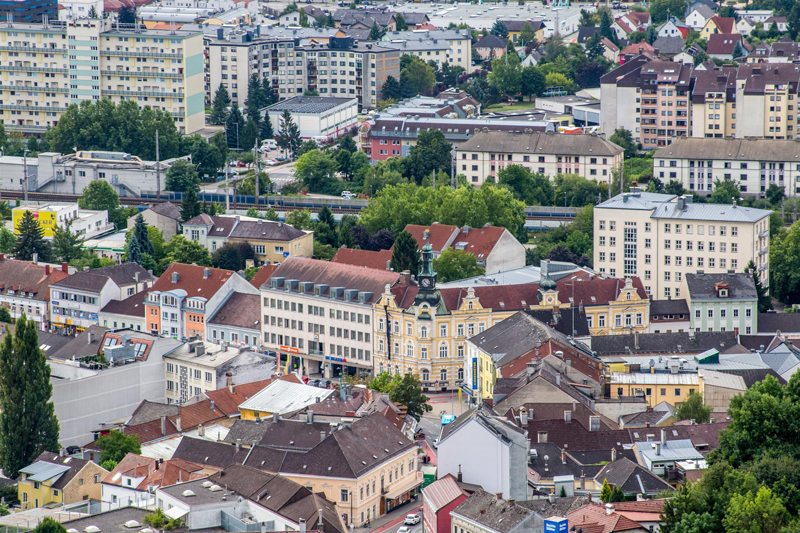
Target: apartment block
[
  {"x": 754, "y": 164},
  {"x": 714, "y": 103},
  {"x": 722, "y": 302},
  {"x": 334, "y": 66},
  {"x": 458, "y": 41},
  {"x": 46, "y": 67},
  {"x": 590, "y": 156},
  {"x": 769, "y": 93},
  {"x": 661, "y": 238}
]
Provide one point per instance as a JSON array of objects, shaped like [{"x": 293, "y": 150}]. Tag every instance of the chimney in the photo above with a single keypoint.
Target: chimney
[
  {"x": 310, "y": 417},
  {"x": 663, "y": 437},
  {"x": 35, "y": 258},
  {"x": 275, "y": 417},
  {"x": 321, "y": 436},
  {"x": 405, "y": 277},
  {"x": 302, "y": 525},
  {"x": 136, "y": 277},
  {"x": 206, "y": 273},
  {"x": 635, "y": 339},
  {"x": 90, "y": 337},
  {"x": 163, "y": 426},
  {"x": 65, "y": 268},
  {"x": 201, "y": 430},
  {"x": 567, "y": 416},
  {"x": 583, "y": 481},
  {"x": 498, "y": 495},
  {"x": 551, "y": 498},
  {"x": 178, "y": 423},
  {"x": 212, "y": 405},
  {"x": 523, "y": 417},
  {"x": 613, "y": 454},
  {"x": 563, "y": 458},
  {"x": 609, "y": 508},
  {"x": 589, "y": 496},
  {"x": 238, "y": 443},
  {"x": 459, "y": 477},
  {"x": 175, "y": 277},
  {"x": 658, "y": 448},
  {"x": 47, "y": 270},
  {"x": 229, "y": 382}
]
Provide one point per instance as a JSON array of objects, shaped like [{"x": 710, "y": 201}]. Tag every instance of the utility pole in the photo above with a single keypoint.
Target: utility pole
[
  {"x": 453, "y": 168},
  {"x": 158, "y": 171},
  {"x": 433, "y": 178},
  {"x": 258, "y": 169},
  {"x": 227, "y": 184},
  {"x": 25, "y": 172}
]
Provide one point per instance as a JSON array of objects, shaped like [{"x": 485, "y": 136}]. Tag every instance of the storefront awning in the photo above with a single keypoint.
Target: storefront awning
[
  {"x": 176, "y": 512},
  {"x": 397, "y": 492}
]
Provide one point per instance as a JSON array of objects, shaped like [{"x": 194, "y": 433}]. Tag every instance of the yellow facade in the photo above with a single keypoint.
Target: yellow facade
[
  {"x": 249, "y": 414},
  {"x": 34, "y": 494},
  {"x": 46, "y": 218},
  {"x": 268, "y": 252},
  {"x": 656, "y": 388}
]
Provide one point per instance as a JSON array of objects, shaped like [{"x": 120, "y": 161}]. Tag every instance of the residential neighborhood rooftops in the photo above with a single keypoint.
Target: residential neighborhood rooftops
[
  {"x": 632, "y": 478},
  {"x": 594, "y": 518},
  {"x": 364, "y": 258},
  {"x": 492, "y": 512},
  {"x": 167, "y": 209},
  {"x": 197, "y": 281},
  {"x": 545, "y": 143},
  {"x": 442, "y": 492},
  {"x": 285, "y": 397},
  {"x": 115, "y": 521},
  {"x": 265, "y": 230},
  {"x": 739, "y": 286},
  {"x": 95, "y": 279},
  {"x": 28, "y": 277},
  {"x": 222, "y": 225},
  {"x": 239, "y": 311}
]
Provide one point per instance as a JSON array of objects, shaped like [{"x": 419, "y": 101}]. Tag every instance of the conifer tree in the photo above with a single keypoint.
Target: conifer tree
[
  {"x": 234, "y": 127},
  {"x": 28, "y": 426},
  {"x": 219, "y": 108},
  {"x": 266, "y": 127},
  {"x": 134, "y": 250},
  {"x": 405, "y": 255},
  {"x": 143, "y": 236},
  {"x": 190, "y": 207},
  {"x": 31, "y": 240}
]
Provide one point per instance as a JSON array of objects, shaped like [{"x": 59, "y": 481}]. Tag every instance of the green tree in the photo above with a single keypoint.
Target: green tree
[
  {"x": 453, "y": 265},
  {"x": 506, "y": 75},
  {"x": 694, "y": 408},
  {"x": 650, "y": 34},
  {"x": 5, "y": 316},
  {"x": 190, "y": 206},
  {"x": 575, "y": 191},
  {"x": 408, "y": 392},
  {"x": 606, "y": 21},
  {"x": 207, "y": 158},
  {"x": 400, "y": 22},
  {"x": 48, "y": 525},
  {"x": 233, "y": 256},
  {"x": 431, "y": 153},
  {"x": 8, "y": 241},
  {"x": 405, "y": 255},
  {"x": 556, "y": 79},
  {"x": 299, "y": 219},
  {"x": 533, "y": 189},
  {"x": 660, "y": 10},
  {"x": 376, "y": 32},
  {"x": 127, "y": 14},
  {"x": 249, "y": 134},
  {"x": 31, "y": 240},
  {"x": 554, "y": 47},
  {"x": 605, "y": 492},
  {"x": 343, "y": 230},
  {"x": 219, "y": 107},
  {"x": 594, "y": 47},
  {"x": 234, "y": 127},
  {"x": 303, "y": 19},
  {"x": 532, "y": 82},
  {"x": 391, "y": 89},
  {"x": 624, "y": 139},
  {"x": 181, "y": 176},
  {"x": 316, "y": 169},
  {"x": 526, "y": 35},
  {"x": 725, "y": 191},
  {"x": 66, "y": 245},
  {"x": 266, "y": 127},
  {"x": 288, "y": 137},
  {"x": 99, "y": 196},
  {"x": 325, "y": 228},
  {"x": 674, "y": 187},
  {"x": 384, "y": 382},
  {"x": 762, "y": 512},
  {"x": 220, "y": 142},
  {"x": 181, "y": 250},
  {"x": 28, "y": 426},
  {"x": 775, "y": 194},
  {"x": 499, "y": 29},
  {"x": 764, "y": 300},
  {"x": 159, "y": 520},
  {"x": 115, "y": 445},
  {"x": 416, "y": 77}
]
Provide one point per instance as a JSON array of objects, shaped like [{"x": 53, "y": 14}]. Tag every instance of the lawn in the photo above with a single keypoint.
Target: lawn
[{"x": 515, "y": 107}]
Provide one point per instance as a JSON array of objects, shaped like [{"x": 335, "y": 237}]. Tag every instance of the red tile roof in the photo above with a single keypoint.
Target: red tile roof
[
  {"x": 228, "y": 402},
  {"x": 479, "y": 241},
  {"x": 594, "y": 290},
  {"x": 132, "y": 465},
  {"x": 637, "y": 48},
  {"x": 28, "y": 277},
  {"x": 443, "y": 491},
  {"x": 623, "y": 25},
  {"x": 190, "y": 279},
  {"x": 198, "y": 413},
  {"x": 263, "y": 274},
  {"x": 645, "y": 506},
  {"x": 594, "y": 518},
  {"x": 496, "y": 297},
  {"x": 150, "y": 431},
  {"x": 439, "y": 237},
  {"x": 172, "y": 472},
  {"x": 363, "y": 258},
  {"x": 725, "y": 24}
]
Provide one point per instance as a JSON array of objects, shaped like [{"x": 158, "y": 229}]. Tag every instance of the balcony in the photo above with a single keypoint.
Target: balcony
[
  {"x": 33, "y": 89},
  {"x": 32, "y": 108},
  {"x": 32, "y": 49},
  {"x": 144, "y": 93},
  {"x": 172, "y": 75},
  {"x": 125, "y": 53},
  {"x": 31, "y": 69}
]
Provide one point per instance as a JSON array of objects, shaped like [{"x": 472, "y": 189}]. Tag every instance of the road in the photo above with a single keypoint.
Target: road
[{"x": 395, "y": 525}]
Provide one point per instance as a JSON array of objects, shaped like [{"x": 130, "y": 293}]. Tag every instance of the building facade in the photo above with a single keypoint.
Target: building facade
[
  {"x": 322, "y": 119},
  {"x": 82, "y": 222},
  {"x": 484, "y": 155},
  {"x": 157, "y": 68},
  {"x": 722, "y": 302},
  {"x": 661, "y": 238},
  {"x": 25, "y": 288}
]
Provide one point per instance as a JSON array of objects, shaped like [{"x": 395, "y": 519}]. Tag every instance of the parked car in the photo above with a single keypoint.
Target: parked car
[
  {"x": 412, "y": 519},
  {"x": 347, "y": 195},
  {"x": 404, "y": 529}
]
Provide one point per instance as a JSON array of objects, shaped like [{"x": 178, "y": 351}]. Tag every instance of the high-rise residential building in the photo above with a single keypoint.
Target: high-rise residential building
[
  {"x": 45, "y": 67},
  {"x": 661, "y": 238}
]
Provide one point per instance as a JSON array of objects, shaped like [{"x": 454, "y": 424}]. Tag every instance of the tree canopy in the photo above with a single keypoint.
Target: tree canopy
[{"x": 453, "y": 265}]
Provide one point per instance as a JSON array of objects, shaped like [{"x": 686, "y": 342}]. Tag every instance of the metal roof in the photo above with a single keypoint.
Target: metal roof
[
  {"x": 636, "y": 200},
  {"x": 285, "y": 397},
  {"x": 721, "y": 379},
  {"x": 42, "y": 471},
  {"x": 310, "y": 104},
  {"x": 673, "y": 450},
  {"x": 620, "y": 378},
  {"x": 710, "y": 212}
]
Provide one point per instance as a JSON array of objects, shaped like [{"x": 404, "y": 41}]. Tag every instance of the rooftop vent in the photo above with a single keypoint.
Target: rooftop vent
[{"x": 132, "y": 524}]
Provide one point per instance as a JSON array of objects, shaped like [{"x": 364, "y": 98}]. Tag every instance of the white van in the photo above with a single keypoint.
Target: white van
[{"x": 269, "y": 144}]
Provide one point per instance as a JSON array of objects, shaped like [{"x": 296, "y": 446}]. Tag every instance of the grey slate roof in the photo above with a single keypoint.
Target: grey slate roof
[
  {"x": 491, "y": 512},
  {"x": 702, "y": 286},
  {"x": 669, "y": 45},
  {"x": 109, "y": 521},
  {"x": 663, "y": 343},
  {"x": 784, "y": 322},
  {"x": 167, "y": 209},
  {"x": 491, "y": 41},
  {"x": 586, "y": 32},
  {"x": 308, "y": 104},
  {"x": 733, "y": 149},
  {"x": 632, "y": 478},
  {"x": 205, "y": 452},
  {"x": 545, "y": 143},
  {"x": 669, "y": 307},
  {"x": 246, "y": 431},
  {"x": 148, "y": 411},
  {"x": 561, "y": 507},
  {"x": 265, "y": 230},
  {"x": 240, "y": 311},
  {"x": 95, "y": 279},
  {"x": 80, "y": 346}
]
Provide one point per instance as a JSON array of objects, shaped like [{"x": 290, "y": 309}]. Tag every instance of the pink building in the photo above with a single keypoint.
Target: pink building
[{"x": 438, "y": 499}]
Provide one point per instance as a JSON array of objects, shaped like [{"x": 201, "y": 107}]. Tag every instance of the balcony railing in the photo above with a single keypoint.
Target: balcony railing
[{"x": 128, "y": 53}]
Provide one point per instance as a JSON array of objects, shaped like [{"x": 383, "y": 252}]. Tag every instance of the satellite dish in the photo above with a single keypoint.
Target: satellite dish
[{"x": 546, "y": 458}]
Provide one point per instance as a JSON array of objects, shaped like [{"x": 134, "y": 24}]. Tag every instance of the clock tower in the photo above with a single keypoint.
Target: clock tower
[{"x": 427, "y": 275}]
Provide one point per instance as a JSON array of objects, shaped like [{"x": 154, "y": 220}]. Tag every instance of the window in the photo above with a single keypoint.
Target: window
[
  {"x": 442, "y": 350},
  {"x": 344, "y": 495},
  {"x": 677, "y": 392}
]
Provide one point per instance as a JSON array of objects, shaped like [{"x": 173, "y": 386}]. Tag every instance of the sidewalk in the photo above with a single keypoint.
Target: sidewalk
[{"x": 392, "y": 518}]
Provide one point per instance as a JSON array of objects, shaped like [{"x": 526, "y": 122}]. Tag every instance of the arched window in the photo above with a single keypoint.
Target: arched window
[
  {"x": 461, "y": 373},
  {"x": 443, "y": 350},
  {"x": 426, "y": 375},
  {"x": 444, "y": 374},
  {"x": 380, "y": 368},
  {"x": 469, "y": 306},
  {"x": 423, "y": 333}
]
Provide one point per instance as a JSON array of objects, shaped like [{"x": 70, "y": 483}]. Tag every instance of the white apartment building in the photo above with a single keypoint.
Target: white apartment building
[
  {"x": 333, "y": 66},
  {"x": 79, "y": 9},
  {"x": 661, "y": 238},
  {"x": 458, "y": 41},
  {"x": 83, "y": 222},
  {"x": 318, "y": 117},
  {"x": 319, "y": 315},
  {"x": 753, "y": 164},
  {"x": 46, "y": 67},
  {"x": 25, "y": 288},
  {"x": 486, "y": 153}
]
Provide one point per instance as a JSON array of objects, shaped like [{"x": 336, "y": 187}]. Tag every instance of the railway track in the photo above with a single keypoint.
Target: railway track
[{"x": 289, "y": 204}]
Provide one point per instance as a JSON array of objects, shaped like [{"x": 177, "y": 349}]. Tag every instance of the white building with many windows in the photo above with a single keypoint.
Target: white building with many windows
[{"x": 661, "y": 238}]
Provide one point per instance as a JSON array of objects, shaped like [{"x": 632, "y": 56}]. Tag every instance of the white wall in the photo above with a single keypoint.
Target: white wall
[{"x": 507, "y": 254}]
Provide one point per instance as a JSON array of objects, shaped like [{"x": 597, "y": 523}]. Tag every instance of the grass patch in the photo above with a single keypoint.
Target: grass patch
[{"x": 514, "y": 107}]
